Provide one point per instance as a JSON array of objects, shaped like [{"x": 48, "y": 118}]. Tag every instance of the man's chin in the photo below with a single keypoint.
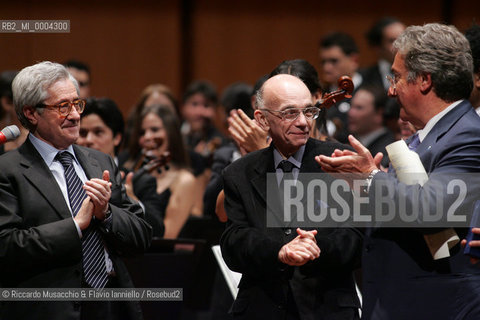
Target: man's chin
[{"x": 300, "y": 140}]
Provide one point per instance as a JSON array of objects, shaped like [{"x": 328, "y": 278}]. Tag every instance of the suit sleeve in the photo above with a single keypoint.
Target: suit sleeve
[
  {"x": 245, "y": 247},
  {"x": 449, "y": 193},
  {"x": 26, "y": 250}
]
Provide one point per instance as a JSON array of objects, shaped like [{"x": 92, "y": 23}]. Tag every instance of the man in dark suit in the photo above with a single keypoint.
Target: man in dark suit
[
  {"x": 381, "y": 37},
  {"x": 285, "y": 275},
  {"x": 53, "y": 235},
  {"x": 402, "y": 280},
  {"x": 339, "y": 56}
]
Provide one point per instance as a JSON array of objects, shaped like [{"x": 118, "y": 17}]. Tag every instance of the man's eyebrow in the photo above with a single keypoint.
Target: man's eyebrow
[
  {"x": 64, "y": 100},
  {"x": 294, "y": 107}
]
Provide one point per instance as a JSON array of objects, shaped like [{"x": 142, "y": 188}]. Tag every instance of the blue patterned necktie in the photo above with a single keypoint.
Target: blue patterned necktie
[
  {"x": 414, "y": 143},
  {"x": 94, "y": 267}
]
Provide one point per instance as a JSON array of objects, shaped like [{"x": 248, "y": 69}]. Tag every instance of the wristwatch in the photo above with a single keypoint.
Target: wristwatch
[{"x": 368, "y": 181}]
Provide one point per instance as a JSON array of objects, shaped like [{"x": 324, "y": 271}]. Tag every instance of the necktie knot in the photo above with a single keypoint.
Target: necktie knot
[
  {"x": 286, "y": 166},
  {"x": 65, "y": 159},
  {"x": 414, "y": 142}
]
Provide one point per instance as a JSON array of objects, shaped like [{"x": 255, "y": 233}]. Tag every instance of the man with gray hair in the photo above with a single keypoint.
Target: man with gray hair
[
  {"x": 402, "y": 279},
  {"x": 65, "y": 220}
]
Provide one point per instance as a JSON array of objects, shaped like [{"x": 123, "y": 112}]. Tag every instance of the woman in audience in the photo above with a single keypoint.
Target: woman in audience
[
  {"x": 152, "y": 94},
  {"x": 101, "y": 128},
  {"x": 156, "y": 132}
]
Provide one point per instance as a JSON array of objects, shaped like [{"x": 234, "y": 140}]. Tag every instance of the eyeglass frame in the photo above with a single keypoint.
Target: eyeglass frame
[
  {"x": 393, "y": 81},
  {"x": 57, "y": 106},
  {"x": 301, "y": 110}
]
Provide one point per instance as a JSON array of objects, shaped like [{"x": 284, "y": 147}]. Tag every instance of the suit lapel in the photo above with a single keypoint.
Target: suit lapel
[
  {"x": 439, "y": 129},
  {"x": 89, "y": 164},
  {"x": 40, "y": 176},
  {"x": 263, "y": 166},
  {"x": 308, "y": 161}
]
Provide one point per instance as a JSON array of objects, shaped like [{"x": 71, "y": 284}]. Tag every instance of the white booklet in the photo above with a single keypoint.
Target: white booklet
[{"x": 410, "y": 170}]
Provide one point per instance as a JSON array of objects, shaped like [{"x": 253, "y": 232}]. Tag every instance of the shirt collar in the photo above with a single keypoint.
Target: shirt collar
[
  {"x": 296, "y": 158},
  {"x": 433, "y": 121},
  {"x": 47, "y": 151}
]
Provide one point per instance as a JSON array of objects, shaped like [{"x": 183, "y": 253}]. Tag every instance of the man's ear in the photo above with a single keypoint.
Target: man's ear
[
  {"x": 31, "y": 114},
  {"x": 476, "y": 80},
  {"x": 261, "y": 119},
  {"x": 425, "y": 83}
]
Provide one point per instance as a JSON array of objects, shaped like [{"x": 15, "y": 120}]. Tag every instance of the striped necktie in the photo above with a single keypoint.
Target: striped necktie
[{"x": 94, "y": 267}]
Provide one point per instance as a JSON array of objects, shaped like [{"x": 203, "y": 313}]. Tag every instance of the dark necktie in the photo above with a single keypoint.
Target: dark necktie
[
  {"x": 414, "y": 142},
  {"x": 287, "y": 168},
  {"x": 94, "y": 268}
]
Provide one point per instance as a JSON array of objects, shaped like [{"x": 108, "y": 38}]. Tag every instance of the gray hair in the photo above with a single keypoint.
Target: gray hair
[
  {"x": 31, "y": 84},
  {"x": 259, "y": 102},
  {"x": 441, "y": 51}
]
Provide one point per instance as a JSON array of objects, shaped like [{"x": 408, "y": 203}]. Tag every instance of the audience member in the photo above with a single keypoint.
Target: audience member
[
  {"x": 339, "y": 56},
  {"x": 381, "y": 37},
  {"x": 285, "y": 276},
  {"x": 153, "y": 94},
  {"x": 365, "y": 120},
  {"x": 6, "y": 99},
  {"x": 101, "y": 128},
  {"x": 236, "y": 97},
  {"x": 198, "y": 111},
  {"x": 65, "y": 219},
  {"x": 81, "y": 72},
  {"x": 7, "y": 110},
  {"x": 246, "y": 132},
  {"x": 473, "y": 36},
  {"x": 158, "y": 131},
  {"x": 432, "y": 82}
]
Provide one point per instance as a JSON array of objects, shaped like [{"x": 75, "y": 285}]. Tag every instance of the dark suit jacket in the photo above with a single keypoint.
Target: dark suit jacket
[
  {"x": 322, "y": 289},
  {"x": 401, "y": 280},
  {"x": 39, "y": 243}
]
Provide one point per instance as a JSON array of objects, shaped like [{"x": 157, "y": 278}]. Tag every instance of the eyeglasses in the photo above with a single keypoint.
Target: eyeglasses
[
  {"x": 291, "y": 114},
  {"x": 65, "y": 108},
  {"x": 393, "y": 81}
]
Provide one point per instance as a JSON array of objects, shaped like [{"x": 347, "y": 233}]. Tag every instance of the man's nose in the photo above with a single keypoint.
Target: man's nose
[
  {"x": 73, "y": 114},
  {"x": 392, "y": 92},
  {"x": 301, "y": 120},
  {"x": 90, "y": 138}
]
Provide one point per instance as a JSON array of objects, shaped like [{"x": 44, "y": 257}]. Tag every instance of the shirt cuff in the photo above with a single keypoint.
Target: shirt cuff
[{"x": 80, "y": 234}]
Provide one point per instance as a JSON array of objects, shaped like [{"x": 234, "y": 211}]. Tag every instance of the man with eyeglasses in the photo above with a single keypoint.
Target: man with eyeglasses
[
  {"x": 403, "y": 278},
  {"x": 65, "y": 220},
  {"x": 287, "y": 273}
]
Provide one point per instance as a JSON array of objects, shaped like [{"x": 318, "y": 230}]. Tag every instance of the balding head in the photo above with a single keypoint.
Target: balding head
[
  {"x": 278, "y": 94},
  {"x": 279, "y": 86}
]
